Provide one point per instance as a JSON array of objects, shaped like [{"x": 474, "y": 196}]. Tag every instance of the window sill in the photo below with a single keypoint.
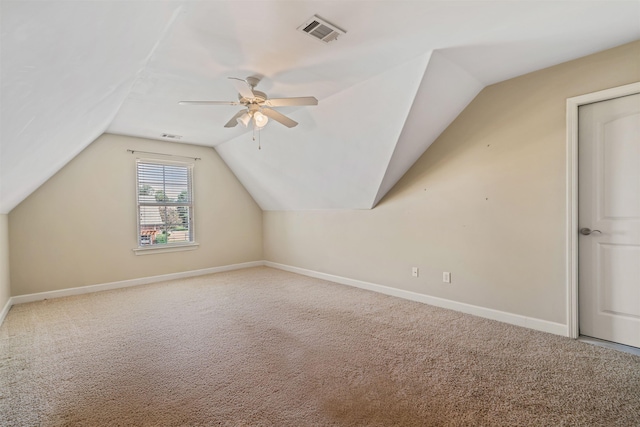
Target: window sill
[{"x": 164, "y": 249}]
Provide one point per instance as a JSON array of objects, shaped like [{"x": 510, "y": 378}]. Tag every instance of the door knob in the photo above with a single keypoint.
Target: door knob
[{"x": 586, "y": 231}]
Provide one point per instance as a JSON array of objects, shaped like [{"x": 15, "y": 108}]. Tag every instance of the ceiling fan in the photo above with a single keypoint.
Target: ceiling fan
[{"x": 257, "y": 105}]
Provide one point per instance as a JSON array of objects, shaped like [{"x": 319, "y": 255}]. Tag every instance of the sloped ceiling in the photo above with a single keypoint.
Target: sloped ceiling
[{"x": 386, "y": 89}]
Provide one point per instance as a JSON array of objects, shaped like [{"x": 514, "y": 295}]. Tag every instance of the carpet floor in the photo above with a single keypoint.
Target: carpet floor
[{"x": 263, "y": 347}]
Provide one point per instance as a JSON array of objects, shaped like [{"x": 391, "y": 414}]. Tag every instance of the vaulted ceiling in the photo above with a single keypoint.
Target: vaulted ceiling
[{"x": 72, "y": 70}]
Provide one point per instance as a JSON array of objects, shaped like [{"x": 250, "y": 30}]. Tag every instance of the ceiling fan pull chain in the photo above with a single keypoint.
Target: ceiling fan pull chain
[{"x": 254, "y": 137}]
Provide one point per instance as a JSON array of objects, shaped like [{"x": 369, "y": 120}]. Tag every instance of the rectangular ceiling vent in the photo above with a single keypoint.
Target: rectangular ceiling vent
[
  {"x": 170, "y": 136},
  {"x": 320, "y": 29}
]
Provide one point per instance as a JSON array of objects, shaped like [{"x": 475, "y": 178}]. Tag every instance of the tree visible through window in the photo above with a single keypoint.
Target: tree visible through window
[{"x": 165, "y": 203}]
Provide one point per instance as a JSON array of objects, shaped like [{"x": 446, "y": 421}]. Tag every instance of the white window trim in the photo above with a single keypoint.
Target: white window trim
[
  {"x": 173, "y": 247},
  {"x": 169, "y": 247}
]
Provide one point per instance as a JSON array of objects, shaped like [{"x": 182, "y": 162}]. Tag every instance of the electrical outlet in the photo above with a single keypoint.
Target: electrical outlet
[
  {"x": 446, "y": 277},
  {"x": 414, "y": 271}
]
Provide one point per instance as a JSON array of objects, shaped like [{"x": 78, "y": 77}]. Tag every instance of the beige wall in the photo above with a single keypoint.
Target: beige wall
[
  {"x": 486, "y": 202},
  {"x": 79, "y": 228},
  {"x": 5, "y": 290}
]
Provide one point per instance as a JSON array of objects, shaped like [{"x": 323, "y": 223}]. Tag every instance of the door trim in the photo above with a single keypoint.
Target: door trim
[{"x": 573, "y": 327}]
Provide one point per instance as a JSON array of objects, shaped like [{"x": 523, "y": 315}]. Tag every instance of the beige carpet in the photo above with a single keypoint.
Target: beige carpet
[{"x": 262, "y": 347}]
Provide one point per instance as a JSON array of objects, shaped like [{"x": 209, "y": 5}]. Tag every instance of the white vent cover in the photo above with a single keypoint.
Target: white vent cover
[
  {"x": 320, "y": 29},
  {"x": 171, "y": 136}
]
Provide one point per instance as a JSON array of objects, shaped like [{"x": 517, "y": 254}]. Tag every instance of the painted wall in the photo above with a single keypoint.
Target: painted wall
[
  {"x": 79, "y": 228},
  {"x": 5, "y": 289},
  {"x": 485, "y": 202}
]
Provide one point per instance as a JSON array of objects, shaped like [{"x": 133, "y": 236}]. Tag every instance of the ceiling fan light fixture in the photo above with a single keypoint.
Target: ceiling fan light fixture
[
  {"x": 244, "y": 119},
  {"x": 260, "y": 119}
]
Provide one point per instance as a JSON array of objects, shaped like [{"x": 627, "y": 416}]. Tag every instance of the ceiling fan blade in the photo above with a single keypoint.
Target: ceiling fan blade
[
  {"x": 234, "y": 120},
  {"x": 243, "y": 88},
  {"x": 209, "y": 103},
  {"x": 290, "y": 102},
  {"x": 278, "y": 117}
]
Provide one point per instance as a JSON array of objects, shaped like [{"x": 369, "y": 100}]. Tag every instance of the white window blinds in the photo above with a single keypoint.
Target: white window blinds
[{"x": 165, "y": 203}]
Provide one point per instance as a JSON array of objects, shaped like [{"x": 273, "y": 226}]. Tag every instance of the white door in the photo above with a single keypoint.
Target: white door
[{"x": 609, "y": 220}]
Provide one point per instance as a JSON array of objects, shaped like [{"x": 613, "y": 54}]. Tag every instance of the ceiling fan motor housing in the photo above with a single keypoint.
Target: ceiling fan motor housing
[{"x": 258, "y": 98}]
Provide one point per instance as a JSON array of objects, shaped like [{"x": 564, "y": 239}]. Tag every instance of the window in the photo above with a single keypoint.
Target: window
[{"x": 165, "y": 204}]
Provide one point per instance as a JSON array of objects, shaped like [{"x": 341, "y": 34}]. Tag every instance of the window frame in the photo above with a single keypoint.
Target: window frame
[{"x": 165, "y": 247}]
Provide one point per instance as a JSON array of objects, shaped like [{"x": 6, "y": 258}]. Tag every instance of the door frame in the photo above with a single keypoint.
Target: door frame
[{"x": 573, "y": 327}]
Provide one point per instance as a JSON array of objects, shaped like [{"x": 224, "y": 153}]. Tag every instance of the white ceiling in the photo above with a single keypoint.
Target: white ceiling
[{"x": 386, "y": 89}]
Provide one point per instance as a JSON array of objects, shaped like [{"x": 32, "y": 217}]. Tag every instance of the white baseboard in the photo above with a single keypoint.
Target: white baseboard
[
  {"x": 20, "y": 299},
  {"x": 6, "y": 309},
  {"x": 514, "y": 319},
  {"x": 488, "y": 313}
]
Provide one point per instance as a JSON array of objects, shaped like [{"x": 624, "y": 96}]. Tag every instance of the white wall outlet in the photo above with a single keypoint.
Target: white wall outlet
[
  {"x": 446, "y": 277},
  {"x": 414, "y": 271}
]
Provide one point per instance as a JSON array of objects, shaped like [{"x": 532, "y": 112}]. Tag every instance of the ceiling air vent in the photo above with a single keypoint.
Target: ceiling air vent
[
  {"x": 170, "y": 136},
  {"x": 320, "y": 29}
]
